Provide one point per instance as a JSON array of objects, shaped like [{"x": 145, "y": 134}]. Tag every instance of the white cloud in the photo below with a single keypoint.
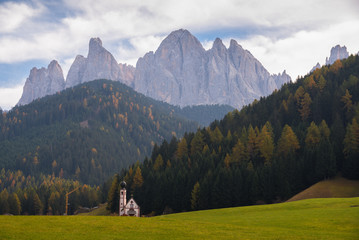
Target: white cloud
[
  {"x": 282, "y": 34},
  {"x": 134, "y": 19},
  {"x": 299, "y": 52},
  {"x": 135, "y": 48},
  {"x": 12, "y": 15},
  {"x": 10, "y": 96}
]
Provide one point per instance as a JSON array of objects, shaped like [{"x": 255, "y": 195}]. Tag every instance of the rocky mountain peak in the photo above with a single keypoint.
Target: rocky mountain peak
[
  {"x": 336, "y": 53},
  {"x": 180, "y": 40},
  {"x": 95, "y": 42},
  {"x": 99, "y": 64},
  {"x": 179, "y": 72},
  {"x": 95, "y": 46},
  {"x": 218, "y": 45},
  {"x": 42, "y": 82},
  {"x": 182, "y": 72},
  {"x": 54, "y": 66},
  {"x": 315, "y": 67}
]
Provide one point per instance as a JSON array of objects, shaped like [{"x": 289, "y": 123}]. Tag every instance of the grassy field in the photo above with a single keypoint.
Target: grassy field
[
  {"x": 338, "y": 187},
  {"x": 331, "y": 218}
]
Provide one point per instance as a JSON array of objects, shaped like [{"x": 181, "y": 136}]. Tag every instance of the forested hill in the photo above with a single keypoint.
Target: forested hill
[
  {"x": 270, "y": 150},
  {"x": 86, "y": 133}
]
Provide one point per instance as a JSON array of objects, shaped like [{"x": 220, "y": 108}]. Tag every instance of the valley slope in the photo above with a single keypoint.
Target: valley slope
[
  {"x": 272, "y": 149},
  {"x": 87, "y": 132}
]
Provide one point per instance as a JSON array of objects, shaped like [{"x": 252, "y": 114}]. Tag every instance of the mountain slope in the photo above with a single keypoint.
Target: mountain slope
[
  {"x": 87, "y": 132},
  {"x": 267, "y": 152}
]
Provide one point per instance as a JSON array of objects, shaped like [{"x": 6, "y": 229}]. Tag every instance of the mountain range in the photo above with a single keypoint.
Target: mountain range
[{"x": 180, "y": 72}]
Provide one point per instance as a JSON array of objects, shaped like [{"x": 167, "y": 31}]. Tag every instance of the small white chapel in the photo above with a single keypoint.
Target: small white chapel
[{"x": 130, "y": 207}]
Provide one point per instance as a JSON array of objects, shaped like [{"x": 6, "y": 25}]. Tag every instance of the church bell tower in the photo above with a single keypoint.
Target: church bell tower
[{"x": 122, "y": 202}]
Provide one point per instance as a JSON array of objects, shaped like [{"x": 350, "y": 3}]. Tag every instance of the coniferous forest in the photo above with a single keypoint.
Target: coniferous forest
[
  {"x": 86, "y": 133},
  {"x": 270, "y": 150},
  {"x": 82, "y": 136}
]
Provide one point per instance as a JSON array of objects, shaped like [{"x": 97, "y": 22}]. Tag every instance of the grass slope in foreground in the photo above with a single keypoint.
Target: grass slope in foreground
[{"x": 307, "y": 219}]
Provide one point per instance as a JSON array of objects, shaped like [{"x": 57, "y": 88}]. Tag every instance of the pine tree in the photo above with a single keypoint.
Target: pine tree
[
  {"x": 158, "y": 163},
  {"x": 4, "y": 203},
  {"x": 197, "y": 143},
  {"x": 347, "y": 100},
  {"x": 137, "y": 178},
  {"x": 182, "y": 149},
  {"x": 288, "y": 142},
  {"x": 35, "y": 203},
  {"x": 227, "y": 160},
  {"x": 321, "y": 83},
  {"x": 266, "y": 143},
  {"x": 216, "y": 136},
  {"x": 113, "y": 195},
  {"x": 14, "y": 204},
  {"x": 239, "y": 152},
  {"x": 252, "y": 146},
  {"x": 326, "y": 163},
  {"x": 313, "y": 136},
  {"x": 304, "y": 109},
  {"x": 351, "y": 151},
  {"x": 195, "y": 196}
]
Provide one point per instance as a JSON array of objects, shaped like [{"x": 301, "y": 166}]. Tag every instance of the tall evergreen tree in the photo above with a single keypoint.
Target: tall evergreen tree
[
  {"x": 14, "y": 204},
  {"x": 113, "y": 195},
  {"x": 288, "y": 142},
  {"x": 195, "y": 196}
]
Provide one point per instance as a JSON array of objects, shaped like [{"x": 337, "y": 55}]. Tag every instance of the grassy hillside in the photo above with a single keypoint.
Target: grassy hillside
[
  {"x": 333, "y": 188},
  {"x": 307, "y": 219}
]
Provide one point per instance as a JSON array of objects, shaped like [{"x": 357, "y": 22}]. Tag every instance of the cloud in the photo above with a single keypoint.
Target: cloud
[
  {"x": 299, "y": 52},
  {"x": 130, "y": 50},
  {"x": 130, "y": 20},
  {"x": 10, "y": 96},
  {"x": 13, "y": 15},
  {"x": 282, "y": 34}
]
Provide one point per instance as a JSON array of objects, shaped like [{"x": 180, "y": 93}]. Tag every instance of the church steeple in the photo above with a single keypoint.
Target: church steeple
[{"x": 122, "y": 203}]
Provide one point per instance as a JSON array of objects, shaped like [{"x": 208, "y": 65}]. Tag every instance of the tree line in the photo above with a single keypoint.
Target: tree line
[
  {"x": 86, "y": 133},
  {"x": 270, "y": 150},
  {"x": 44, "y": 195}
]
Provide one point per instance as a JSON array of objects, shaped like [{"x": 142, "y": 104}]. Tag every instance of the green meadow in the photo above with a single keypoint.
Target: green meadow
[{"x": 331, "y": 218}]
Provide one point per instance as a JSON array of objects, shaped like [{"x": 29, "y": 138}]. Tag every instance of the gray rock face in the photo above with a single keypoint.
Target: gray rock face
[
  {"x": 315, "y": 67},
  {"x": 99, "y": 64},
  {"x": 336, "y": 53},
  {"x": 182, "y": 72},
  {"x": 126, "y": 74},
  {"x": 42, "y": 82},
  {"x": 76, "y": 71}
]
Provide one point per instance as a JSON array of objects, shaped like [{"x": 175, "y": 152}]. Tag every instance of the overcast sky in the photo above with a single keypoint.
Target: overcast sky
[{"x": 281, "y": 34}]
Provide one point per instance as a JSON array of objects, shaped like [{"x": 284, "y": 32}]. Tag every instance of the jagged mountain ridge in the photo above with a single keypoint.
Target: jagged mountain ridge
[
  {"x": 183, "y": 73},
  {"x": 336, "y": 53},
  {"x": 180, "y": 72},
  {"x": 42, "y": 82},
  {"x": 99, "y": 64}
]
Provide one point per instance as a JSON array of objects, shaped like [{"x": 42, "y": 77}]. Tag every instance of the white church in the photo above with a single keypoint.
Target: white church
[{"x": 130, "y": 207}]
